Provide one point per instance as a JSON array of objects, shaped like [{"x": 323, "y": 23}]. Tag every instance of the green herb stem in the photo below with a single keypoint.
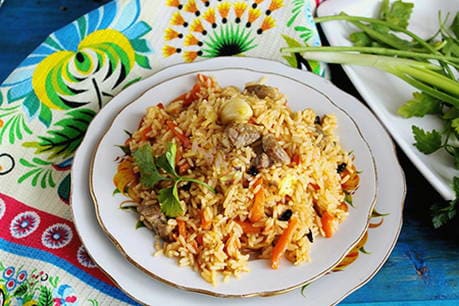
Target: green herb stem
[
  {"x": 189, "y": 179},
  {"x": 375, "y": 50},
  {"x": 344, "y": 17},
  {"x": 356, "y": 20}
]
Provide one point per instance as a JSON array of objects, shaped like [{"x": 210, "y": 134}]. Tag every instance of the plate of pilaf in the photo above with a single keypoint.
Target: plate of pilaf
[{"x": 233, "y": 182}]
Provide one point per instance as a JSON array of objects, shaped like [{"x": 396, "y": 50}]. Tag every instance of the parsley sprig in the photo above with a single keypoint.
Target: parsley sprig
[{"x": 162, "y": 168}]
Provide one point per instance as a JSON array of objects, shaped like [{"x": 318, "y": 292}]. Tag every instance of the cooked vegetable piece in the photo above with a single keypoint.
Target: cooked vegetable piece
[
  {"x": 236, "y": 110},
  {"x": 328, "y": 224},
  {"x": 283, "y": 241}
]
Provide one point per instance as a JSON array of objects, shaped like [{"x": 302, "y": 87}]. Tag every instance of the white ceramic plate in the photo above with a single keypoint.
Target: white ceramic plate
[
  {"x": 385, "y": 93},
  {"x": 137, "y": 244},
  {"x": 330, "y": 288}
]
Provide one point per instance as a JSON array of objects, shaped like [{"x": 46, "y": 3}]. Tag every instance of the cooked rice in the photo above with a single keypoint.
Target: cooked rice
[{"x": 309, "y": 188}]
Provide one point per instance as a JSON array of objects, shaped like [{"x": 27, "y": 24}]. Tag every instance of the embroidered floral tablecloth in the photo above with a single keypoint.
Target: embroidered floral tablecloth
[{"x": 47, "y": 103}]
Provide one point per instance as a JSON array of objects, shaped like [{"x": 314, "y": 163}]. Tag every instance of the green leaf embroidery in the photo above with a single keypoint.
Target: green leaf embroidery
[
  {"x": 142, "y": 61},
  {"x": 304, "y": 32},
  {"x": 297, "y": 9},
  {"x": 54, "y": 281},
  {"x": 66, "y": 135},
  {"x": 41, "y": 171},
  {"x": 21, "y": 290},
  {"x": 46, "y": 297},
  {"x": 14, "y": 126}
]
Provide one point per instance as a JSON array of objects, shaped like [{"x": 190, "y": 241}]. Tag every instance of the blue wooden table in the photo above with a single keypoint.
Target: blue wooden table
[{"x": 424, "y": 266}]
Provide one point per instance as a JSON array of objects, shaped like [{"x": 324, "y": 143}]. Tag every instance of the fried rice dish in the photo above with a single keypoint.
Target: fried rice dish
[{"x": 223, "y": 176}]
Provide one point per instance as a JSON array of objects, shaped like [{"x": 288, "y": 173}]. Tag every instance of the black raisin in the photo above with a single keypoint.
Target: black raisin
[
  {"x": 317, "y": 120},
  {"x": 253, "y": 171},
  {"x": 286, "y": 215},
  {"x": 187, "y": 186},
  {"x": 341, "y": 167},
  {"x": 310, "y": 236}
]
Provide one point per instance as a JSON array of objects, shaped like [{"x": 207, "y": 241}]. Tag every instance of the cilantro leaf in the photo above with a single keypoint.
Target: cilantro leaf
[
  {"x": 399, "y": 13},
  {"x": 420, "y": 105},
  {"x": 143, "y": 158},
  {"x": 443, "y": 213},
  {"x": 169, "y": 202},
  {"x": 426, "y": 142},
  {"x": 167, "y": 160}
]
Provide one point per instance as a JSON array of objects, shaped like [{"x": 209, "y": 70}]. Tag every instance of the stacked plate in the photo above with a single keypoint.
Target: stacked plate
[{"x": 337, "y": 267}]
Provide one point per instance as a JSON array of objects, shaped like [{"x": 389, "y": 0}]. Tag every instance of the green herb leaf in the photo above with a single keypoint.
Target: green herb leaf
[
  {"x": 167, "y": 160},
  {"x": 126, "y": 150},
  {"x": 420, "y": 105},
  {"x": 455, "y": 154},
  {"x": 360, "y": 39},
  {"x": 455, "y": 124},
  {"x": 443, "y": 213},
  {"x": 451, "y": 113},
  {"x": 149, "y": 175},
  {"x": 426, "y": 142},
  {"x": 399, "y": 13},
  {"x": 455, "y": 25},
  {"x": 169, "y": 202}
]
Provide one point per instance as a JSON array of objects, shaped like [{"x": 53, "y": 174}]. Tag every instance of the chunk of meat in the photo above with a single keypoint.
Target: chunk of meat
[
  {"x": 154, "y": 219},
  {"x": 262, "y": 91},
  {"x": 274, "y": 150},
  {"x": 242, "y": 134},
  {"x": 262, "y": 161}
]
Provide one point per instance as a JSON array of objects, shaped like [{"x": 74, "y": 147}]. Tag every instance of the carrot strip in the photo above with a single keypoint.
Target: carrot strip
[
  {"x": 296, "y": 159},
  {"x": 182, "y": 168},
  {"x": 124, "y": 175},
  {"x": 315, "y": 187},
  {"x": 281, "y": 244},
  {"x": 205, "y": 224},
  {"x": 259, "y": 181},
  {"x": 328, "y": 222},
  {"x": 257, "y": 211},
  {"x": 143, "y": 134},
  {"x": 192, "y": 95},
  {"x": 180, "y": 136},
  {"x": 343, "y": 206},
  {"x": 181, "y": 227},
  {"x": 353, "y": 181},
  {"x": 248, "y": 227}
]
